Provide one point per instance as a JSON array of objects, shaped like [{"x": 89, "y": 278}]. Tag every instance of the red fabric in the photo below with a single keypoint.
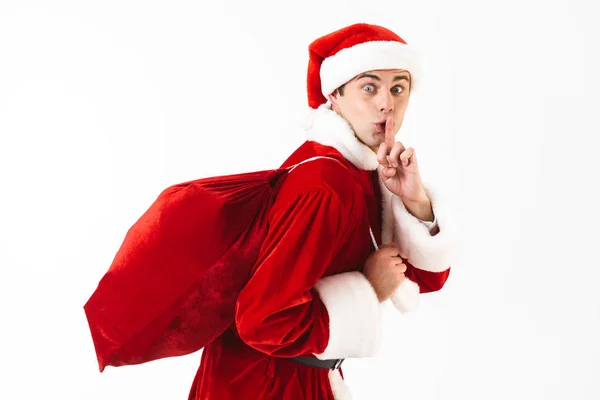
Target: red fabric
[
  {"x": 318, "y": 226},
  {"x": 428, "y": 281},
  {"x": 331, "y": 44},
  {"x": 172, "y": 286}
]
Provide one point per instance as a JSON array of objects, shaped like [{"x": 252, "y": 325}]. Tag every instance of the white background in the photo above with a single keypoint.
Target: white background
[{"x": 104, "y": 104}]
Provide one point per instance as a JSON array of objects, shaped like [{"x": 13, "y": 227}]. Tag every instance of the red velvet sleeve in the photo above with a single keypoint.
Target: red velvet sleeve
[
  {"x": 428, "y": 281},
  {"x": 277, "y": 312}
]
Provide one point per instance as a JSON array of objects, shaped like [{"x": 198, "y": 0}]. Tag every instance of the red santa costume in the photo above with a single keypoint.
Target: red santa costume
[{"x": 306, "y": 295}]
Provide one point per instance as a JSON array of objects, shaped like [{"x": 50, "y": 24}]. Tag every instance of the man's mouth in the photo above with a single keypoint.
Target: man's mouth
[{"x": 380, "y": 127}]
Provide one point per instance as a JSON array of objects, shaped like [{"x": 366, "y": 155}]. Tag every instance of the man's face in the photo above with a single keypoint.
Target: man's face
[{"x": 369, "y": 99}]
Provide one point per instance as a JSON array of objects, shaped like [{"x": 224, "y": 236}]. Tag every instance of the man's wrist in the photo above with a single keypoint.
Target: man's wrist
[{"x": 421, "y": 209}]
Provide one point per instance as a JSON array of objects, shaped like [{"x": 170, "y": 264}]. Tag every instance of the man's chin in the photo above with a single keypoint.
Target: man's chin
[
  {"x": 374, "y": 143},
  {"x": 377, "y": 141},
  {"x": 374, "y": 146}
]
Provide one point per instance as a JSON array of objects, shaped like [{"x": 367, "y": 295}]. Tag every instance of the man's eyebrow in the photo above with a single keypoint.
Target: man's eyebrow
[
  {"x": 401, "y": 77},
  {"x": 367, "y": 75},
  {"x": 375, "y": 77}
]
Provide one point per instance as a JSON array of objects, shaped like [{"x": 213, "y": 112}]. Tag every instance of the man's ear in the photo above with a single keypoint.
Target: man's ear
[{"x": 333, "y": 99}]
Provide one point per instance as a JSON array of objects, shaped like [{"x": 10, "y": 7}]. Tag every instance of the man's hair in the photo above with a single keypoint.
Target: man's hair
[{"x": 340, "y": 90}]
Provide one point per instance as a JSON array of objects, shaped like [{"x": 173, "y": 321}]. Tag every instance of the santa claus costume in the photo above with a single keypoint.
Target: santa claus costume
[{"x": 306, "y": 296}]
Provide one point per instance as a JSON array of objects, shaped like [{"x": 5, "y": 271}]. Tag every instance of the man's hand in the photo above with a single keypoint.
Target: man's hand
[
  {"x": 385, "y": 271},
  {"x": 401, "y": 176}
]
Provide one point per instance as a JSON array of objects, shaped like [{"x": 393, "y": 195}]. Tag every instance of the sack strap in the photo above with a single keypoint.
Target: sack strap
[
  {"x": 313, "y": 159},
  {"x": 293, "y": 167}
]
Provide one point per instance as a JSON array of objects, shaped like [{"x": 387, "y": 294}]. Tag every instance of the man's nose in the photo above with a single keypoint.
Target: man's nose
[{"x": 385, "y": 102}]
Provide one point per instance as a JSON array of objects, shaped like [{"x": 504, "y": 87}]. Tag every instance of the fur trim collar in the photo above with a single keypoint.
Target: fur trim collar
[{"x": 326, "y": 127}]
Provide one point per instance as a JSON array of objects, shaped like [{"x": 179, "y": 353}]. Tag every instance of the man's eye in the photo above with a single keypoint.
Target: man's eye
[
  {"x": 369, "y": 88},
  {"x": 397, "y": 89}
]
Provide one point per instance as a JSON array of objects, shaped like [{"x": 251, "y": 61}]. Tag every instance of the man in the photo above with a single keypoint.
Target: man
[{"x": 345, "y": 235}]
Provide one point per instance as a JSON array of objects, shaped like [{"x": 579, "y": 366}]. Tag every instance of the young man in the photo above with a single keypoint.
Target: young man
[{"x": 345, "y": 235}]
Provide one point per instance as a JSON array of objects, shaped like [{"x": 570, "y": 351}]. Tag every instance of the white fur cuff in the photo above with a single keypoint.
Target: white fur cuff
[
  {"x": 354, "y": 316},
  {"x": 424, "y": 251},
  {"x": 406, "y": 297}
]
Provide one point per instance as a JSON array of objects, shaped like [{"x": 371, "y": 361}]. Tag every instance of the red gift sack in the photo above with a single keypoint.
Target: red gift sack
[{"x": 173, "y": 284}]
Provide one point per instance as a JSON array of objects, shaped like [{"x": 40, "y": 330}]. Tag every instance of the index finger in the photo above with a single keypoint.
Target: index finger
[
  {"x": 382, "y": 155},
  {"x": 390, "y": 137}
]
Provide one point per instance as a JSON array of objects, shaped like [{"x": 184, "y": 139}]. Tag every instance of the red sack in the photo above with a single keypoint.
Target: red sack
[{"x": 173, "y": 284}]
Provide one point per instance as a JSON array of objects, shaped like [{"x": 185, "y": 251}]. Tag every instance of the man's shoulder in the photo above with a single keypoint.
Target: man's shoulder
[{"x": 321, "y": 169}]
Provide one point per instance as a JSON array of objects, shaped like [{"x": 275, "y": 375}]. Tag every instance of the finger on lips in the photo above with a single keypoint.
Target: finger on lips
[{"x": 389, "y": 133}]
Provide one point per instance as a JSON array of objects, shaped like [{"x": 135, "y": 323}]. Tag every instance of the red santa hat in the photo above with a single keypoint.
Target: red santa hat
[{"x": 338, "y": 57}]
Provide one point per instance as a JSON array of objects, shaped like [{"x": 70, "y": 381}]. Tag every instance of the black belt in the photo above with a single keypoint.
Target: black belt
[{"x": 315, "y": 362}]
